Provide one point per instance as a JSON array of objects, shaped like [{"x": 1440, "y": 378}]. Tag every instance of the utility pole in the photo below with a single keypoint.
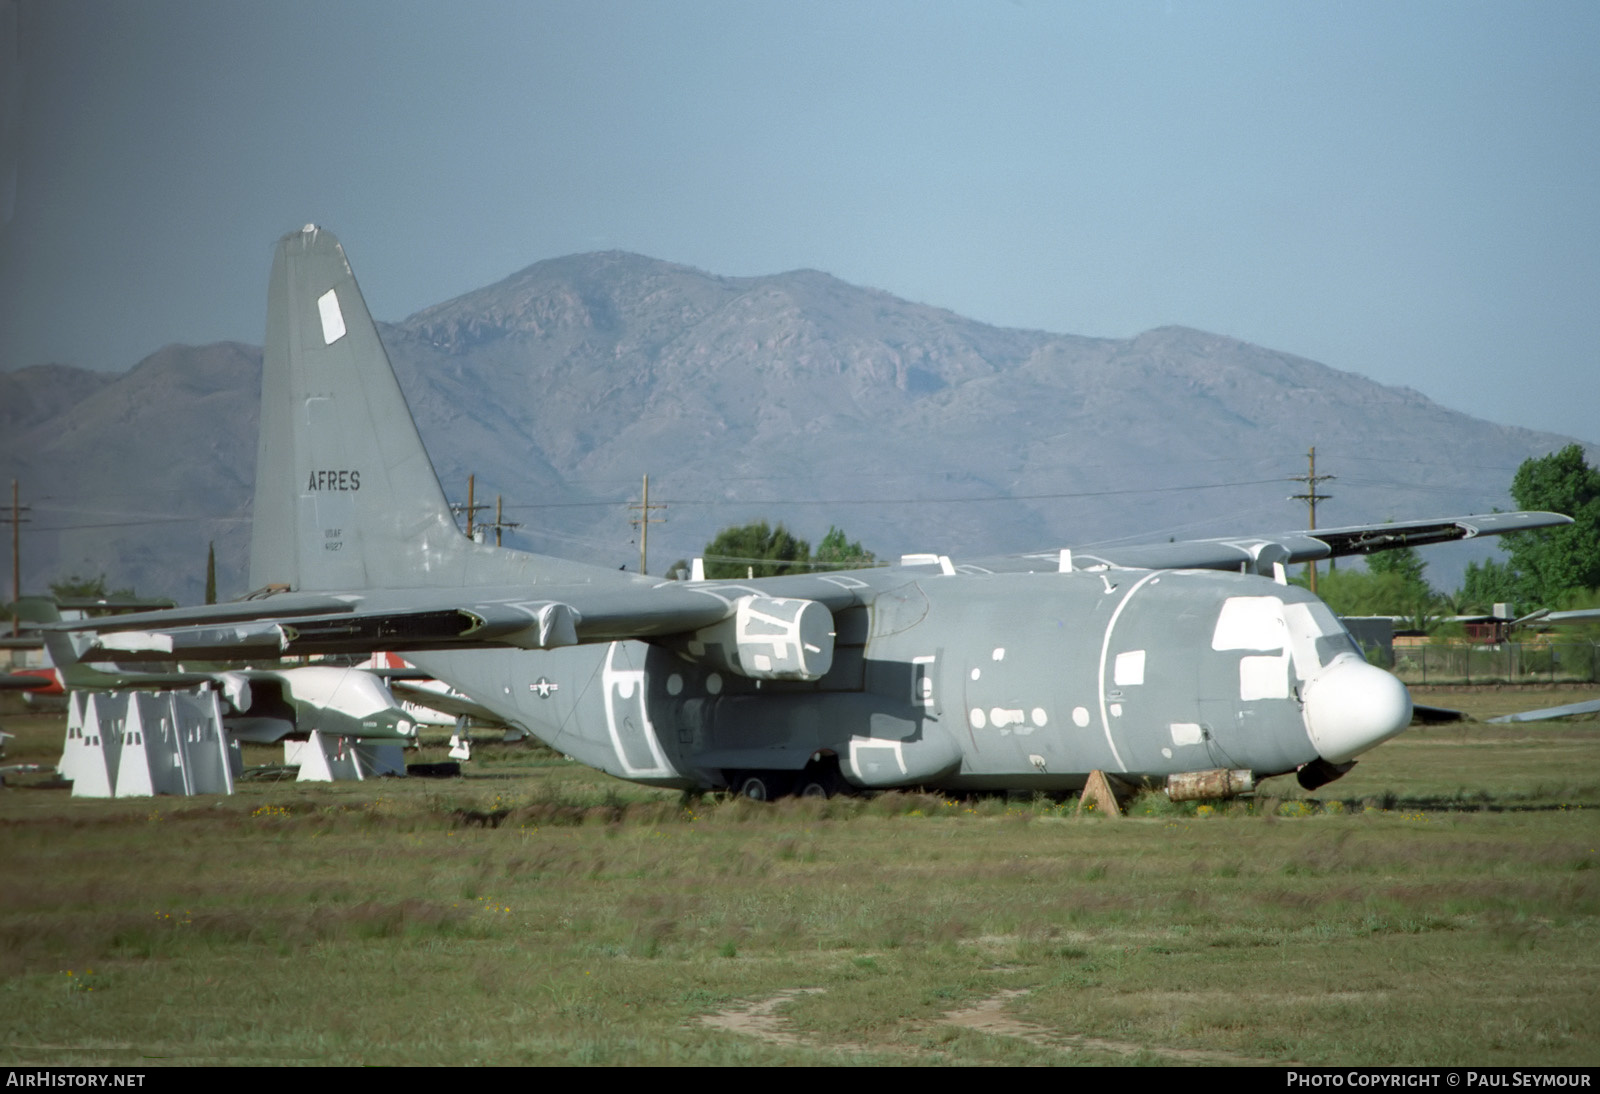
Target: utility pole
[
  {"x": 500, "y": 521},
  {"x": 469, "y": 509},
  {"x": 16, "y": 518},
  {"x": 1311, "y": 497},
  {"x": 644, "y": 520}
]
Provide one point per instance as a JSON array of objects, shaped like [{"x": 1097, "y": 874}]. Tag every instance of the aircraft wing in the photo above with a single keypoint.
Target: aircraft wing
[
  {"x": 534, "y": 617},
  {"x": 549, "y": 615},
  {"x": 1258, "y": 553},
  {"x": 1588, "y": 706}
]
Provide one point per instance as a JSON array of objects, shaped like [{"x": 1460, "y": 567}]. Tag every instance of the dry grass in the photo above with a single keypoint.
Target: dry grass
[{"x": 1440, "y": 905}]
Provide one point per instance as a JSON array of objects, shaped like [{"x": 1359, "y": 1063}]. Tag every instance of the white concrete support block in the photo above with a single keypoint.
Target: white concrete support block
[
  {"x": 72, "y": 748},
  {"x": 209, "y": 757},
  {"x": 147, "y": 763},
  {"x": 133, "y": 744},
  {"x": 98, "y": 745},
  {"x": 328, "y": 759}
]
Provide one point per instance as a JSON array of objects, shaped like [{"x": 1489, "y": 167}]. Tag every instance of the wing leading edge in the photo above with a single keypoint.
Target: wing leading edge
[{"x": 1256, "y": 554}]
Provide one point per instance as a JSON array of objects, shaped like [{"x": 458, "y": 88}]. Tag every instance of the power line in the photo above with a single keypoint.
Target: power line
[{"x": 971, "y": 499}]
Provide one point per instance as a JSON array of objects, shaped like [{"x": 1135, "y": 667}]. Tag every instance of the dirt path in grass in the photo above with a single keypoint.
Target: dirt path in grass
[
  {"x": 762, "y": 1021},
  {"x": 758, "y": 1019},
  {"x": 989, "y": 1016}
]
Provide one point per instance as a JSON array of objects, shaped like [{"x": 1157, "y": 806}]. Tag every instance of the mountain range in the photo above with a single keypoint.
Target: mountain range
[{"x": 794, "y": 397}]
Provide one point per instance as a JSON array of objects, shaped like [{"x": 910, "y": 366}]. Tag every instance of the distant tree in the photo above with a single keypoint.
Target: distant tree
[
  {"x": 679, "y": 570},
  {"x": 75, "y": 585},
  {"x": 835, "y": 552},
  {"x": 1485, "y": 586},
  {"x": 1554, "y": 563},
  {"x": 757, "y": 550},
  {"x": 211, "y": 572},
  {"x": 94, "y": 588},
  {"x": 1404, "y": 563},
  {"x": 1362, "y": 592}
]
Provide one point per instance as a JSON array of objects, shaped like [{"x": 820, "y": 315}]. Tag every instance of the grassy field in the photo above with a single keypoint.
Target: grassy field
[{"x": 1439, "y": 905}]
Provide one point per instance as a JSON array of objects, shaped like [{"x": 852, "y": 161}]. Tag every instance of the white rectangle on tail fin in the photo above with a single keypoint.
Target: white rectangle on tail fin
[{"x": 332, "y": 317}]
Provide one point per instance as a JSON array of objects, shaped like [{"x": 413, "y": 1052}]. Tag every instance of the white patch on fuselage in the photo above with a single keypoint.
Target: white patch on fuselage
[
  {"x": 921, "y": 667},
  {"x": 1038, "y": 717},
  {"x": 857, "y": 744},
  {"x": 1080, "y": 716},
  {"x": 332, "y": 317},
  {"x": 1249, "y": 623},
  {"x": 999, "y": 653},
  {"x": 1186, "y": 733},
  {"x": 977, "y": 719},
  {"x": 1129, "y": 668},
  {"x": 1263, "y": 678},
  {"x": 1306, "y": 623}
]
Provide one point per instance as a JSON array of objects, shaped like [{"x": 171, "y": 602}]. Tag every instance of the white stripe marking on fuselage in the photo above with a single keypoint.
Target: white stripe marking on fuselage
[
  {"x": 1105, "y": 648},
  {"x": 628, "y": 685}
]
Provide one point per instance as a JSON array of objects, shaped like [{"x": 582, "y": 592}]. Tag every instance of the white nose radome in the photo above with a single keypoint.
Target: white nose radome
[{"x": 1351, "y": 706}]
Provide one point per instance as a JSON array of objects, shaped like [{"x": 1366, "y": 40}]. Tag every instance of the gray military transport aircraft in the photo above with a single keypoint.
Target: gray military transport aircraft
[{"x": 1192, "y": 661}]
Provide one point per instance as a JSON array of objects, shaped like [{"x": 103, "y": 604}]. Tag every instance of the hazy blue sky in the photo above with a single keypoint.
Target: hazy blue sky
[{"x": 1406, "y": 190}]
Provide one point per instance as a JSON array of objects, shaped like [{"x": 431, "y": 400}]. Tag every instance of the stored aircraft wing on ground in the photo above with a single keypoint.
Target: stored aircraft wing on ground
[
  {"x": 1022, "y": 672},
  {"x": 1566, "y": 710},
  {"x": 264, "y": 705}
]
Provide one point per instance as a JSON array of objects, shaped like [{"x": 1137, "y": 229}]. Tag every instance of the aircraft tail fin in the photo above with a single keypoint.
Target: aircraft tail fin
[
  {"x": 345, "y": 497},
  {"x": 64, "y": 658}
]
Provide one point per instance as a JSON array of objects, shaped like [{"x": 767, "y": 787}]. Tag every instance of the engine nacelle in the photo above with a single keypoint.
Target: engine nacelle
[{"x": 767, "y": 638}]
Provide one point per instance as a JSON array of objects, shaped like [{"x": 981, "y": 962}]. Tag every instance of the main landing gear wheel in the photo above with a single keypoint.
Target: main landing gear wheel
[
  {"x": 762, "y": 786},
  {"x": 823, "y": 784},
  {"x": 821, "y": 778}
]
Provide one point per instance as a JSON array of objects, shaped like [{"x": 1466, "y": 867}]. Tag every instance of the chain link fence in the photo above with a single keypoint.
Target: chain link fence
[{"x": 1505, "y": 663}]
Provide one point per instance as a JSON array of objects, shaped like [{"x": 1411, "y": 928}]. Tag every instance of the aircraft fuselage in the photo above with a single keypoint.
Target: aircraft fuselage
[{"x": 959, "y": 681}]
